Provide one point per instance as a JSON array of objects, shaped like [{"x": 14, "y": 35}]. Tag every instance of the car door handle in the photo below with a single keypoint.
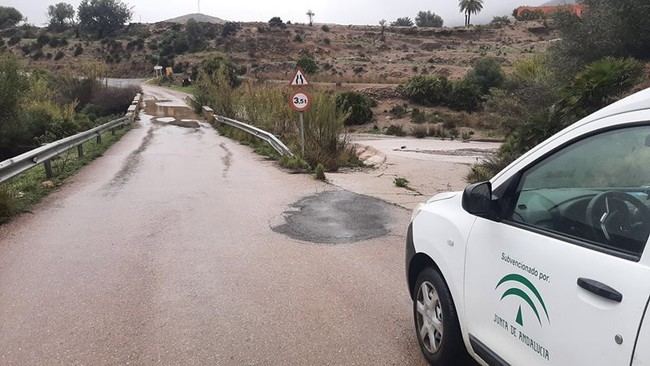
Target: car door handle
[{"x": 600, "y": 289}]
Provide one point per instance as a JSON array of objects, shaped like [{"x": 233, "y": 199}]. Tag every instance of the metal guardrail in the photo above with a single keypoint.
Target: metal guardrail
[
  {"x": 43, "y": 155},
  {"x": 271, "y": 139}
]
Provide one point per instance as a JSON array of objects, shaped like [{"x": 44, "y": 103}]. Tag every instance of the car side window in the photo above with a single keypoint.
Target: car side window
[{"x": 595, "y": 190}]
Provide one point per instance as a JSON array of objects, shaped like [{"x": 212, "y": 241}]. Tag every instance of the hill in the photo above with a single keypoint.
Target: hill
[{"x": 201, "y": 18}]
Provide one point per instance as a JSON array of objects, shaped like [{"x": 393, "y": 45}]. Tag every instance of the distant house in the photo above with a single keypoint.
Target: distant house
[{"x": 525, "y": 12}]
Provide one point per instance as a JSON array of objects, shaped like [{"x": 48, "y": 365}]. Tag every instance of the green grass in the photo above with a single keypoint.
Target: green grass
[{"x": 20, "y": 193}]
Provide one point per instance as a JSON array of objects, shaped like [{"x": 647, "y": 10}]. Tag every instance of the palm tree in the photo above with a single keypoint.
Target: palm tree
[
  {"x": 470, "y": 7},
  {"x": 311, "y": 14}
]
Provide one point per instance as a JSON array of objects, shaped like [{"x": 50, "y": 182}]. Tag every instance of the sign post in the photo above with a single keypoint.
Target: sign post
[{"x": 300, "y": 102}]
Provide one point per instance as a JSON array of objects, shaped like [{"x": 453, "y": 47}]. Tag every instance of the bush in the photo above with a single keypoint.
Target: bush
[
  {"x": 402, "y": 22},
  {"x": 427, "y": 90},
  {"x": 78, "y": 50},
  {"x": 419, "y": 132},
  {"x": 307, "y": 64},
  {"x": 401, "y": 182},
  {"x": 395, "y": 130},
  {"x": 616, "y": 28},
  {"x": 298, "y": 38},
  {"x": 294, "y": 163},
  {"x": 428, "y": 19},
  {"x": 398, "y": 111},
  {"x": 356, "y": 106},
  {"x": 486, "y": 73},
  {"x": 466, "y": 95},
  {"x": 14, "y": 40},
  {"x": 529, "y": 15},
  {"x": 276, "y": 22},
  {"x": 113, "y": 101},
  {"x": 59, "y": 55},
  {"x": 598, "y": 85},
  {"x": 500, "y": 21},
  {"x": 319, "y": 172},
  {"x": 43, "y": 39},
  {"x": 230, "y": 29},
  {"x": 325, "y": 28}
]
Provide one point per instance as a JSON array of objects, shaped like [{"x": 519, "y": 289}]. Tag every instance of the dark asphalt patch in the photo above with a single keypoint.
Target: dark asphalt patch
[{"x": 336, "y": 217}]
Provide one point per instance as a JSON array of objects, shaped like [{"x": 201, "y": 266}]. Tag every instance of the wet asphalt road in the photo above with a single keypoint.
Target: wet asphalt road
[{"x": 163, "y": 252}]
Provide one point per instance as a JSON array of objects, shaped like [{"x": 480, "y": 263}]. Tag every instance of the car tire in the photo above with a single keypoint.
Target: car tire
[{"x": 436, "y": 321}]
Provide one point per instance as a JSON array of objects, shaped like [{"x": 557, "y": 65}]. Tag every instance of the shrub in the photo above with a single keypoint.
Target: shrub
[
  {"x": 325, "y": 28},
  {"x": 112, "y": 101},
  {"x": 319, "y": 172},
  {"x": 307, "y": 64},
  {"x": 395, "y": 130},
  {"x": 427, "y": 90},
  {"x": 466, "y": 95},
  {"x": 356, "y": 106},
  {"x": 401, "y": 182},
  {"x": 398, "y": 111},
  {"x": 529, "y": 15},
  {"x": 298, "y": 38},
  {"x": 402, "y": 22},
  {"x": 294, "y": 163},
  {"x": 486, "y": 73},
  {"x": 418, "y": 116},
  {"x": 59, "y": 55},
  {"x": 324, "y": 125},
  {"x": 230, "y": 29},
  {"x": 420, "y": 132},
  {"x": 428, "y": 19},
  {"x": 599, "y": 84},
  {"x": 78, "y": 50},
  {"x": 14, "y": 40},
  {"x": 276, "y": 22},
  {"x": 500, "y": 21},
  {"x": 43, "y": 39},
  {"x": 7, "y": 205}
]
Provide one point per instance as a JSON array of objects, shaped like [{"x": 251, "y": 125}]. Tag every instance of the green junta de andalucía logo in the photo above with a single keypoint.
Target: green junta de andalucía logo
[{"x": 508, "y": 283}]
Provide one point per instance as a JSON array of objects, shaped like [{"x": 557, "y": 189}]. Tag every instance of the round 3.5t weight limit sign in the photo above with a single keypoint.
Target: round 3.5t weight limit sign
[{"x": 300, "y": 102}]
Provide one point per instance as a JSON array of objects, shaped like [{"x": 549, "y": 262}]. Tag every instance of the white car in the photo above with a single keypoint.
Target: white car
[{"x": 546, "y": 263}]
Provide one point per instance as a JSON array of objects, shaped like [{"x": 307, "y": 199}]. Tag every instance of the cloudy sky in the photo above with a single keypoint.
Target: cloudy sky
[{"x": 327, "y": 11}]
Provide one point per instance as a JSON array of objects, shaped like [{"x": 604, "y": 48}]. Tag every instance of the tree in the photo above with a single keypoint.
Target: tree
[
  {"x": 9, "y": 17},
  {"x": 61, "y": 16},
  {"x": 311, "y": 14},
  {"x": 617, "y": 28},
  {"x": 100, "y": 18},
  {"x": 428, "y": 19},
  {"x": 402, "y": 22},
  {"x": 195, "y": 35},
  {"x": 469, "y": 7},
  {"x": 382, "y": 24}
]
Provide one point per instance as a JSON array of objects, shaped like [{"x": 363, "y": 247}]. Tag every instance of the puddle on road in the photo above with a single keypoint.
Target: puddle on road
[
  {"x": 336, "y": 217},
  {"x": 171, "y": 115}
]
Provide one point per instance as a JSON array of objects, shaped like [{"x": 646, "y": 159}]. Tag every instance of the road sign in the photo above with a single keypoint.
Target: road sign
[
  {"x": 299, "y": 79},
  {"x": 300, "y": 102}
]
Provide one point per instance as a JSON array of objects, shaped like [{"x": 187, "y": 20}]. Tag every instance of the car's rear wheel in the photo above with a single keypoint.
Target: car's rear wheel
[{"x": 436, "y": 321}]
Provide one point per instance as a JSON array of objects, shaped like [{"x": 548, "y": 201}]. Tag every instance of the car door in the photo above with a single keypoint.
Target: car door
[{"x": 557, "y": 278}]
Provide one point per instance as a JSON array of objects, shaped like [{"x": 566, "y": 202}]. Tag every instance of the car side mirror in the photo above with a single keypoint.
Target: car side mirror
[{"x": 477, "y": 200}]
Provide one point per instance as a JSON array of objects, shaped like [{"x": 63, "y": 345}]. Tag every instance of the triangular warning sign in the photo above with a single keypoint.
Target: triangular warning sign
[{"x": 299, "y": 79}]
